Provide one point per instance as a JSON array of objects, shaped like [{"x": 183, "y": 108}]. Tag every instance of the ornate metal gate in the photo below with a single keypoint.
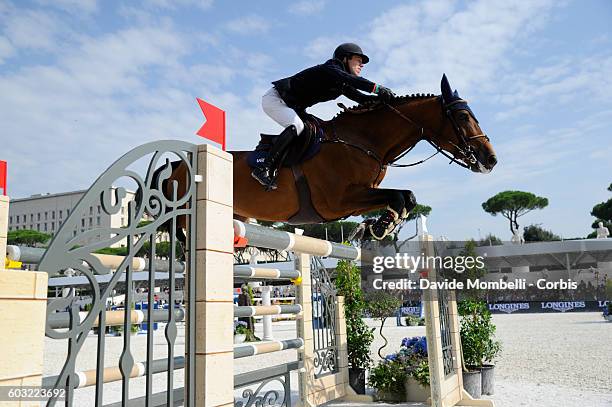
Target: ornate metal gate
[
  {"x": 323, "y": 319},
  {"x": 447, "y": 346},
  {"x": 74, "y": 247}
]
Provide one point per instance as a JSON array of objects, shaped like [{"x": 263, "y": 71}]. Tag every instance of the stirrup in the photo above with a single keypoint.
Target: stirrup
[{"x": 262, "y": 176}]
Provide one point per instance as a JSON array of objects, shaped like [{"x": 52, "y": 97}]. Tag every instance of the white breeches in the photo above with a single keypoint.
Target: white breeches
[{"x": 282, "y": 114}]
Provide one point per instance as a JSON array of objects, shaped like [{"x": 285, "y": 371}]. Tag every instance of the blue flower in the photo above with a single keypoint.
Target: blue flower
[{"x": 391, "y": 357}]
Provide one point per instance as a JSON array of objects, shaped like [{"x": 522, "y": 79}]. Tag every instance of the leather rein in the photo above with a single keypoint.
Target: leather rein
[{"x": 465, "y": 149}]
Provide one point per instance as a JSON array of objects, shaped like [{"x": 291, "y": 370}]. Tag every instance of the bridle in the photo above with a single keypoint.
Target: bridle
[{"x": 464, "y": 149}]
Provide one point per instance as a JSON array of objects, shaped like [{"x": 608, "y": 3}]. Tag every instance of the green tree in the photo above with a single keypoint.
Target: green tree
[
  {"x": 513, "y": 204},
  {"x": 536, "y": 233},
  {"x": 603, "y": 212},
  {"x": 27, "y": 237},
  {"x": 471, "y": 271},
  {"x": 381, "y": 305},
  {"x": 490, "y": 240}
]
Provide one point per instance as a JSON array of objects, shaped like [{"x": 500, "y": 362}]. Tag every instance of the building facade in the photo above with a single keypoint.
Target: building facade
[{"x": 47, "y": 212}]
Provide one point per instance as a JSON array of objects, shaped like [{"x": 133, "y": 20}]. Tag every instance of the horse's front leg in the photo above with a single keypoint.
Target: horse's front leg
[{"x": 398, "y": 204}]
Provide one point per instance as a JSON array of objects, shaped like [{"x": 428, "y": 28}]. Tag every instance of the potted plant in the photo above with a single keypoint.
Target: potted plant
[
  {"x": 411, "y": 320},
  {"x": 413, "y": 355},
  {"x": 359, "y": 336},
  {"x": 240, "y": 331},
  {"x": 403, "y": 376},
  {"x": 478, "y": 346},
  {"x": 388, "y": 377}
]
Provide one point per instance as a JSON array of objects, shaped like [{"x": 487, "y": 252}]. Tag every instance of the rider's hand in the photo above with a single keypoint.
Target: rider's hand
[{"x": 385, "y": 94}]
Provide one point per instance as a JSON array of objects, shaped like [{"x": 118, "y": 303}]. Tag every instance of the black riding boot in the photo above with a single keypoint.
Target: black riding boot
[{"x": 267, "y": 172}]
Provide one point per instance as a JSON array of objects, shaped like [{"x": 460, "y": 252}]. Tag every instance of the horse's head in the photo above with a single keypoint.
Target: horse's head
[{"x": 461, "y": 134}]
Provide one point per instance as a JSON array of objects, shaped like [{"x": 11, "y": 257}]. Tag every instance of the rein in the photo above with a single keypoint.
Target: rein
[{"x": 465, "y": 149}]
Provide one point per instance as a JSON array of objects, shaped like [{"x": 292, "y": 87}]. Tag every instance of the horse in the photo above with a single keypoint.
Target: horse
[{"x": 360, "y": 144}]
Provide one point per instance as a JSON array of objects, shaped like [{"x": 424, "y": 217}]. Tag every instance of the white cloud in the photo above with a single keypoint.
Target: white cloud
[
  {"x": 562, "y": 83},
  {"x": 32, "y": 29},
  {"x": 322, "y": 48},
  {"x": 175, "y": 4},
  {"x": 417, "y": 42},
  {"x": 6, "y": 49},
  {"x": 251, "y": 24},
  {"x": 77, "y": 7},
  {"x": 307, "y": 7}
]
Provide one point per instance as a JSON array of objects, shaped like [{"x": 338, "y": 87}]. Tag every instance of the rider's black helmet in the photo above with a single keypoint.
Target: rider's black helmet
[{"x": 348, "y": 49}]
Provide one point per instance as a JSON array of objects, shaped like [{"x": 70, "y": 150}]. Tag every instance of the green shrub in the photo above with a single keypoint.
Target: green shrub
[{"x": 477, "y": 332}]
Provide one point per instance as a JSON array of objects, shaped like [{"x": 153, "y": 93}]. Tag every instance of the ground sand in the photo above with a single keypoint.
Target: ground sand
[{"x": 547, "y": 360}]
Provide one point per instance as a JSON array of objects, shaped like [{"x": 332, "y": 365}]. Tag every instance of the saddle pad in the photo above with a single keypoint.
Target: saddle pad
[{"x": 257, "y": 157}]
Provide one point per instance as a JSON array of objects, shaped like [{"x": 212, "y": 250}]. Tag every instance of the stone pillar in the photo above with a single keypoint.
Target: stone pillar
[
  {"x": 4, "y": 211},
  {"x": 23, "y": 307},
  {"x": 267, "y": 319},
  {"x": 341, "y": 341},
  {"x": 214, "y": 360},
  {"x": 305, "y": 331}
]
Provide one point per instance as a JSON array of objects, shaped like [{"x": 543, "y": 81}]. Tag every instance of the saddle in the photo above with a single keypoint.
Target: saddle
[{"x": 303, "y": 148}]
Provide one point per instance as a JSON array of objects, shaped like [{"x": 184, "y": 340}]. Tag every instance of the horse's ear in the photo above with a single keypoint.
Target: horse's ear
[
  {"x": 456, "y": 94},
  {"x": 447, "y": 93}
]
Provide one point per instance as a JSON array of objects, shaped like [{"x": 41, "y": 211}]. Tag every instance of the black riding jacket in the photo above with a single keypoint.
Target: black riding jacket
[{"x": 322, "y": 83}]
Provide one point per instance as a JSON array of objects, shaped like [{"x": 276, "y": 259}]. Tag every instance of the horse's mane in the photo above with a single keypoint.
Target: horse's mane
[{"x": 375, "y": 104}]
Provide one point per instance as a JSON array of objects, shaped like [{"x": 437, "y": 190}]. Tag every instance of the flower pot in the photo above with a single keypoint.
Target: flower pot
[
  {"x": 394, "y": 397},
  {"x": 415, "y": 391},
  {"x": 488, "y": 379},
  {"x": 357, "y": 380},
  {"x": 472, "y": 383},
  {"x": 239, "y": 338}
]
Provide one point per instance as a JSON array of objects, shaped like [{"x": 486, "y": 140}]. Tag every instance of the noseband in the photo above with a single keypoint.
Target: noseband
[{"x": 464, "y": 149}]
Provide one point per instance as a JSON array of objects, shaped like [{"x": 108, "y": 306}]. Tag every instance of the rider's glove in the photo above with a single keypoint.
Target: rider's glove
[{"x": 385, "y": 94}]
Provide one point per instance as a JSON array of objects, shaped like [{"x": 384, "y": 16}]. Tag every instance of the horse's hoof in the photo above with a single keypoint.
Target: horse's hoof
[
  {"x": 385, "y": 225},
  {"x": 362, "y": 232}
]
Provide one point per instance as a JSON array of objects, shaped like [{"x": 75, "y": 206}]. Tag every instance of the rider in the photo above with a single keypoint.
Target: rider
[{"x": 320, "y": 83}]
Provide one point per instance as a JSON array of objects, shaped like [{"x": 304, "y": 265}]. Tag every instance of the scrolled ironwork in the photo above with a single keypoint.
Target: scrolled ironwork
[
  {"x": 269, "y": 397},
  {"x": 72, "y": 250},
  {"x": 447, "y": 345},
  {"x": 324, "y": 319}
]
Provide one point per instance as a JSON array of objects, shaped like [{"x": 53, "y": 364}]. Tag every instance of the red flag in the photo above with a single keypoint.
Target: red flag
[
  {"x": 3, "y": 172},
  {"x": 214, "y": 127}
]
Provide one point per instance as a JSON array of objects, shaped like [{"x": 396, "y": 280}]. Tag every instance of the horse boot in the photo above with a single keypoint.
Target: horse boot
[
  {"x": 384, "y": 225},
  {"x": 267, "y": 172}
]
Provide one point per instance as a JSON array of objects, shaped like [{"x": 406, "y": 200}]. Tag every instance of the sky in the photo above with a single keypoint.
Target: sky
[{"x": 83, "y": 81}]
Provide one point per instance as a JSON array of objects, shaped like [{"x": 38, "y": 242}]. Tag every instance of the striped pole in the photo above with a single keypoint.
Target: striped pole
[
  {"x": 114, "y": 318},
  {"x": 87, "y": 378},
  {"x": 261, "y": 236},
  {"x": 248, "y": 272},
  {"x": 33, "y": 255},
  {"x": 259, "y": 348},
  {"x": 253, "y": 311}
]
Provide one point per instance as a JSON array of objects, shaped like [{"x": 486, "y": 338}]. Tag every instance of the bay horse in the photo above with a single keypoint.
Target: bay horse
[{"x": 360, "y": 144}]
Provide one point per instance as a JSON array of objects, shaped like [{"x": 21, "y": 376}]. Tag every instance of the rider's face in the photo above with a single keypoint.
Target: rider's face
[{"x": 355, "y": 63}]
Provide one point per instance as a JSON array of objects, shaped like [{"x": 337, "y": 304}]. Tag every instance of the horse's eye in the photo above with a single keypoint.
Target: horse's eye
[{"x": 464, "y": 117}]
